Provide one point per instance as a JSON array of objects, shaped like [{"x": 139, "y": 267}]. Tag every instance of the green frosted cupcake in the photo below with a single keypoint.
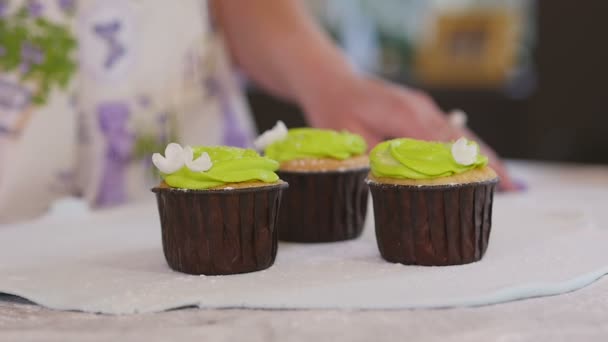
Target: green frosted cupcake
[
  {"x": 432, "y": 201},
  {"x": 327, "y": 196},
  {"x": 218, "y": 209}
]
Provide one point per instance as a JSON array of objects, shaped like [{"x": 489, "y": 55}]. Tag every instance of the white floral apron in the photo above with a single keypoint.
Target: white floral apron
[{"x": 96, "y": 87}]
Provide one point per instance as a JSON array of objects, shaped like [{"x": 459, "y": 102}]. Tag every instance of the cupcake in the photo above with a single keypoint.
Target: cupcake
[
  {"x": 432, "y": 201},
  {"x": 327, "y": 196},
  {"x": 218, "y": 209}
]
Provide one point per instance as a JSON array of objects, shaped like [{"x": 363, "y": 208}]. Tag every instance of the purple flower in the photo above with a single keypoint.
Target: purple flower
[
  {"x": 35, "y": 8},
  {"x": 108, "y": 32},
  {"x": 113, "y": 121},
  {"x": 162, "y": 120},
  {"x": 66, "y": 5},
  {"x": 13, "y": 96},
  {"x": 30, "y": 55},
  {"x": 144, "y": 101},
  {"x": 3, "y": 7},
  {"x": 24, "y": 68},
  {"x": 116, "y": 52}
]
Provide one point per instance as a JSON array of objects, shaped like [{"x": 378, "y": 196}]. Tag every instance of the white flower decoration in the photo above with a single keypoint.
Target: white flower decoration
[
  {"x": 176, "y": 157},
  {"x": 458, "y": 118},
  {"x": 277, "y": 133},
  {"x": 172, "y": 161},
  {"x": 463, "y": 153},
  {"x": 201, "y": 164}
]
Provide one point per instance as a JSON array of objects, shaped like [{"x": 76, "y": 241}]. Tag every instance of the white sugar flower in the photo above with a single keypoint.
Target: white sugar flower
[
  {"x": 277, "y": 133},
  {"x": 458, "y": 118},
  {"x": 201, "y": 164},
  {"x": 176, "y": 157},
  {"x": 172, "y": 161},
  {"x": 463, "y": 152}
]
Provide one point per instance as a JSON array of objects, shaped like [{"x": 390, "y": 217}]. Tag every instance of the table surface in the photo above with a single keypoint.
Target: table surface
[{"x": 578, "y": 316}]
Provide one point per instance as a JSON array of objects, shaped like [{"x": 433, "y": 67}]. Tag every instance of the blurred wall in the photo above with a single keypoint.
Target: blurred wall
[{"x": 568, "y": 116}]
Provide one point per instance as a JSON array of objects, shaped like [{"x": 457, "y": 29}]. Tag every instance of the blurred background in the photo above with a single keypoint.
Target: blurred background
[
  {"x": 530, "y": 74},
  {"x": 106, "y": 83}
]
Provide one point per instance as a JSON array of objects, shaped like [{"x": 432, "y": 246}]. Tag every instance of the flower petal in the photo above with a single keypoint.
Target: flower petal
[
  {"x": 201, "y": 164},
  {"x": 188, "y": 154},
  {"x": 277, "y": 133},
  {"x": 463, "y": 153},
  {"x": 167, "y": 166},
  {"x": 174, "y": 152}
]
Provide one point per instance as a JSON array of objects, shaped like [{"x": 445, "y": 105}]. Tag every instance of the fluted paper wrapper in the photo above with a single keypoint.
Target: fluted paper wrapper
[
  {"x": 218, "y": 232},
  {"x": 323, "y": 206},
  {"x": 433, "y": 225}
]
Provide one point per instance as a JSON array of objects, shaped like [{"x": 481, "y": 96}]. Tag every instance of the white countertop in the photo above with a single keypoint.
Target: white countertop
[{"x": 577, "y": 316}]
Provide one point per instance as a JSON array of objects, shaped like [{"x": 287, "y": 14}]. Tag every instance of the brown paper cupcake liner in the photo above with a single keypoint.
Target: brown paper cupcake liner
[
  {"x": 218, "y": 232},
  {"x": 323, "y": 206},
  {"x": 433, "y": 225}
]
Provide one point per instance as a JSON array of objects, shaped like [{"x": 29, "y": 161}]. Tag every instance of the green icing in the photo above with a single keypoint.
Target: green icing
[
  {"x": 415, "y": 159},
  {"x": 312, "y": 143},
  {"x": 230, "y": 165}
]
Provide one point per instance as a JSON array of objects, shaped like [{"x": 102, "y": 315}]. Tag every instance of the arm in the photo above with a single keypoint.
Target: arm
[{"x": 281, "y": 48}]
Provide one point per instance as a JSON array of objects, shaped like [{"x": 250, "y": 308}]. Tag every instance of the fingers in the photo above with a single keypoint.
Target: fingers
[
  {"x": 378, "y": 110},
  {"x": 430, "y": 114},
  {"x": 506, "y": 181},
  {"x": 394, "y": 111},
  {"x": 421, "y": 117},
  {"x": 372, "y": 140},
  {"x": 408, "y": 117}
]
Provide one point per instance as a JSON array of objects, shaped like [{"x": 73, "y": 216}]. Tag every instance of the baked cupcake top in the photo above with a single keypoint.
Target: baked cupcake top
[
  {"x": 313, "y": 149},
  {"x": 425, "y": 162},
  {"x": 206, "y": 167}
]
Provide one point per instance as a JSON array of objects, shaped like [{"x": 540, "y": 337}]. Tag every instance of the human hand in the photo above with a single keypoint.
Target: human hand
[{"x": 379, "y": 110}]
